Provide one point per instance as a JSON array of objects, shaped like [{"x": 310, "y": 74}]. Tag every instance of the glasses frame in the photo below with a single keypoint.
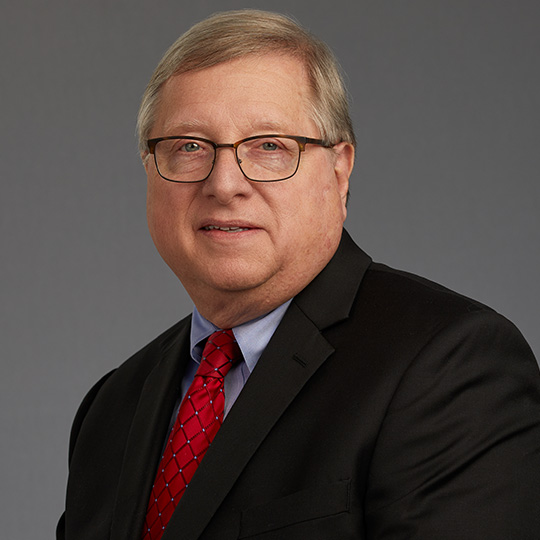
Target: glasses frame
[{"x": 301, "y": 141}]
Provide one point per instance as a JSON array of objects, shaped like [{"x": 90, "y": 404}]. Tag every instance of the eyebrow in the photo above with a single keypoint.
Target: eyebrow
[
  {"x": 186, "y": 127},
  {"x": 268, "y": 126}
]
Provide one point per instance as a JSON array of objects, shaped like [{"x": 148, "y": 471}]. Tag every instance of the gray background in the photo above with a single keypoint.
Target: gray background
[{"x": 445, "y": 101}]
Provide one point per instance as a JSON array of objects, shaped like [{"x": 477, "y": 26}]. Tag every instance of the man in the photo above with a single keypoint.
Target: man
[{"x": 345, "y": 399}]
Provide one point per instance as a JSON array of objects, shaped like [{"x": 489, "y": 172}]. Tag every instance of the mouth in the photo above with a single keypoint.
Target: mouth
[{"x": 225, "y": 229}]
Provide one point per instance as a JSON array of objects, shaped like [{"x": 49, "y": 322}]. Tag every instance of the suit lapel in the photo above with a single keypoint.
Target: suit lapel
[
  {"x": 328, "y": 299},
  {"x": 295, "y": 352},
  {"x": 289, "y": 361},
  {"x": 148, "y": 431}
]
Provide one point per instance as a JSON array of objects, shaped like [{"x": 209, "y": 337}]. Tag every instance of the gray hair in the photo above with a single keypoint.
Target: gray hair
[{"x": 234, "y": 34}]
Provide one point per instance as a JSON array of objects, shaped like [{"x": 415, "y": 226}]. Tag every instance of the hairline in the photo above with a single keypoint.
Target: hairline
[{"x": 153, "y": 102}]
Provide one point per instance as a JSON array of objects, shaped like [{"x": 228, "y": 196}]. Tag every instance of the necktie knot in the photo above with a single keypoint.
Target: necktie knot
[{"x": 219, "y": 354}]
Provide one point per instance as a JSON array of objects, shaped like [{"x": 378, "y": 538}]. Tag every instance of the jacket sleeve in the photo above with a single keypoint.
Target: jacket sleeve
[
  {"x": 458, "y": 454},
  {"x": 75, "y": 428}
]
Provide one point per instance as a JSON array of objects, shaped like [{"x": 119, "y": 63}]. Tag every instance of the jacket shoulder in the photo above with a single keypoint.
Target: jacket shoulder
[
  {"x": 400, "y": 287},
  {"x": 408, "y": 305},
  {"x": 123, "y": 384}
]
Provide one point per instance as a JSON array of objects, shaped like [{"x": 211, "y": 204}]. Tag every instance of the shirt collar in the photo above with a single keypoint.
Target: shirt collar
[{"x": 252, "y": 336}]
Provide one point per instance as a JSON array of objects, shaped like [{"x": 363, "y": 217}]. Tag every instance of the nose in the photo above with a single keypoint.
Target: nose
[{"x": 226, "y": 181}]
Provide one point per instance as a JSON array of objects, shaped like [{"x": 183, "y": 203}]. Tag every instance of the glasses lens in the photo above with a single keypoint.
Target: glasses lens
[
  {"x": 184, "y": 160},
  {"x": 268, "y": 159}
]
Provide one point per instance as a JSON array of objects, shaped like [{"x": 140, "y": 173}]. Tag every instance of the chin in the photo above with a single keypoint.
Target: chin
[
  {"x": 222, "y": 278},
  {"x": 236, "y": 283},
  {"x": 239, "y": 274}
]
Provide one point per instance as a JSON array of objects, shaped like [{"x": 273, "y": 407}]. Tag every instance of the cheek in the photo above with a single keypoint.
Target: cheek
[
  {"x": 325, "y": 205},
  {"x": 326, "y": 216},
  {"x": 313, "y": 208},
  {"x": 162, "y": 214},
  {"x": 154, "y": 215},
  {"x": 309, "y": 221}
]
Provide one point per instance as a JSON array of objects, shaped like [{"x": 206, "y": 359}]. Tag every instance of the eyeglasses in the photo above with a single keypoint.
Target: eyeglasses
[{"x": 262, "y": 158}]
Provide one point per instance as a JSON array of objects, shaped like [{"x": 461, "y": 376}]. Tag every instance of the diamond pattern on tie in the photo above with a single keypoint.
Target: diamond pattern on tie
[{"x": 199, "y": 418}]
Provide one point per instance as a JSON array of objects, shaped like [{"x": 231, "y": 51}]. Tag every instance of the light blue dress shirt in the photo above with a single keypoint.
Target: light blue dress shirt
[{"x": 252, "y": 337}]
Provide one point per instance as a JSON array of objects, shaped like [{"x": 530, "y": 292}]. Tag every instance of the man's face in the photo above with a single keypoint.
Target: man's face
[{"x": 288, "y": 230}]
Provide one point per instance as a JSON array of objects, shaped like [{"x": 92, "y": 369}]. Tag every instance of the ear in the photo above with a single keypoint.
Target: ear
[
  {"x": 343, "y": 166},
  {"x": 145, "y": 159}
]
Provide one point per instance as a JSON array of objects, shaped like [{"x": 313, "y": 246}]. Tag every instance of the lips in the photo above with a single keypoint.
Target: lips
[
  {"x": 226, "y": 225},
  {"x": 225, "y": 229}
]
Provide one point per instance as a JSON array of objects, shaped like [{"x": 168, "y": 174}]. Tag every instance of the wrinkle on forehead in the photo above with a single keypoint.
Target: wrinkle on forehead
[
  {"x": 259, "y": 126},
  {"x": 281, "y": 104}
]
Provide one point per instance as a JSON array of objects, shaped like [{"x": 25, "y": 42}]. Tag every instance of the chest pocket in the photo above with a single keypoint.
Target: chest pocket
[{"x": 306, "y": 507}]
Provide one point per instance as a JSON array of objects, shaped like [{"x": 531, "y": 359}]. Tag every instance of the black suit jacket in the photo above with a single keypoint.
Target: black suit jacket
[{"x": 384, "y": 407}]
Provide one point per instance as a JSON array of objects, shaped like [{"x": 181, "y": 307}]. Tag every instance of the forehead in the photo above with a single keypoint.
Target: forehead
[{"x": 249, "y": 94}]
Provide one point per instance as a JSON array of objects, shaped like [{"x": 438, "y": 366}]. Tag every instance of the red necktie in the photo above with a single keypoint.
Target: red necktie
[{"x": 198, "y": 420}]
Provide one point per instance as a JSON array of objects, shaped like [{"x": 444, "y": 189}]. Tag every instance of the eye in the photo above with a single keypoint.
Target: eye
[
  {"x": 269, "y": 146},
  {"x": 190, "y": 147}
]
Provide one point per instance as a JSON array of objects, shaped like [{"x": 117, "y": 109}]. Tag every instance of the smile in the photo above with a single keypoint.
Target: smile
[{"x": 225, "y": 229}]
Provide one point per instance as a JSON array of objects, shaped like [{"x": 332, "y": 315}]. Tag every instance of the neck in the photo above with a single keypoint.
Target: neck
[
  {"x": 227, "y": 307},
  {"x": 230, "y": 309}
]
